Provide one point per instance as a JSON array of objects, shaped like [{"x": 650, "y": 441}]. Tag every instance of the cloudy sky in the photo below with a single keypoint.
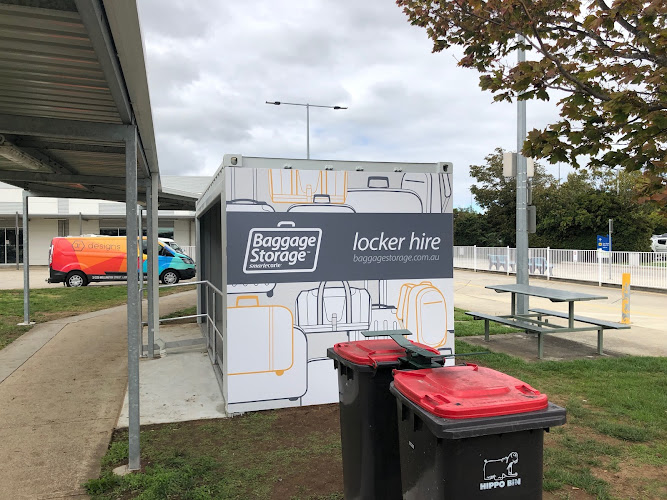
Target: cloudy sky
[{"x": 212, "y": 65}]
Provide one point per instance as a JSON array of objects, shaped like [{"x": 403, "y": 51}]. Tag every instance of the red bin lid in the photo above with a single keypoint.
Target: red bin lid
[
  {"x": 468, "y": 391},
  {"x": 372, "y": 352}
]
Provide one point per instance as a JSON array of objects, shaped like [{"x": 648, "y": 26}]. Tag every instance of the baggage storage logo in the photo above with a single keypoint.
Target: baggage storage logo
[{"x": 282, "y": 249}]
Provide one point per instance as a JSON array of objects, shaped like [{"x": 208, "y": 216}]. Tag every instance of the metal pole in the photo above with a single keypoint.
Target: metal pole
[
  {"x": 26, "y": 263},
  {"x": 198, "y": 261},
  {"x": 521, "y": 201},
  {"x": 133, "y": 318},
  {"x": 16, "y": 236},
  {"x": 308, "y": 131},
  {"x": 151, "y": 241},
  {"x": 140, "y": 272},
  {"x": 80, "y": 224}
]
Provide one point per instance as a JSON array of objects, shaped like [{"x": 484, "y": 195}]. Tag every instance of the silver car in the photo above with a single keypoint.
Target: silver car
[{"x": 659, "y": 242}]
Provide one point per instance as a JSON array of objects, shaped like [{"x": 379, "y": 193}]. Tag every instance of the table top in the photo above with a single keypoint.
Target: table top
[{"x": 547, "y": 293}]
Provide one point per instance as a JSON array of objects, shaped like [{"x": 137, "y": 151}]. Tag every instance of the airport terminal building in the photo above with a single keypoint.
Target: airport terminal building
[{"x": 51, "y": 217}]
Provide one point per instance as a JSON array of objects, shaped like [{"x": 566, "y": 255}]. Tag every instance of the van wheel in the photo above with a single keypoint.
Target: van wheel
[
  {"x": 169, "y": 277},
  {"x": 76, "y": 278}
]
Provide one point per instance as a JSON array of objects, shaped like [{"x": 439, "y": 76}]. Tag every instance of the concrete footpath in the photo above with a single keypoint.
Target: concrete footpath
[
  {"x": 646, "y": 337},
  {"x": 62, "y": 386}
]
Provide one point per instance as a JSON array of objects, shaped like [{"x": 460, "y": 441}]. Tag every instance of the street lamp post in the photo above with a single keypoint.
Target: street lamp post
[{"x": 307, "y": 106}]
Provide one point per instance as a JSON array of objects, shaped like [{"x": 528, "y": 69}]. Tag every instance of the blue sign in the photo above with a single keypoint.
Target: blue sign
[{"x": 603, "y": 243}]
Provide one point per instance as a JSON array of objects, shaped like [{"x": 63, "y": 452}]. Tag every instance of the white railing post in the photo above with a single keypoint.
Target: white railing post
[
  {"x": 474, "y": 258},
  {"x": 548, "y": 271},
  {"x": 507, "y": 267},
  {"x": 599, "y": 256}
]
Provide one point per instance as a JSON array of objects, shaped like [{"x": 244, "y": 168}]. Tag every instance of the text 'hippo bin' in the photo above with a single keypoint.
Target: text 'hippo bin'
[
  {"x": 368, "y": 427},
  {"x": 470, "y": 432}
]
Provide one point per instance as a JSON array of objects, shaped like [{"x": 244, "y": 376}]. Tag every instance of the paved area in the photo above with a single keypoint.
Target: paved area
[
  {"x": 61, "y": 390},
  {"x": 646, "y": 337},
  {"x": 180, "y": 385},
  {"x": 11, "y": 278}
]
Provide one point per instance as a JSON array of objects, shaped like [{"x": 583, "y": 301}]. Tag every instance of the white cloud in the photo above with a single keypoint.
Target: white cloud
[{"x": 211, "y": 65}]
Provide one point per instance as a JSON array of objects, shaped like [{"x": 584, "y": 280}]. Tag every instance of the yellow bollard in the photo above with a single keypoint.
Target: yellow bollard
[{"x": 625, "y": 308}]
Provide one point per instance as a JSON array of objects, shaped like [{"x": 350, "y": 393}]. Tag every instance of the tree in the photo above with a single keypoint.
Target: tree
[
  {"x": 471, "y": 228},
  {"x": 568, "y": 216},
  {"x": 608, "y": 57}
]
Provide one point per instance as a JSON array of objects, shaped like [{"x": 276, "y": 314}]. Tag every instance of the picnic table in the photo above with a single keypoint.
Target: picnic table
[{"x": 537, "y": 320}]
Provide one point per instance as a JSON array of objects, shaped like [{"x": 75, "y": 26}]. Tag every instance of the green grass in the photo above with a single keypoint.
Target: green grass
[
  {"x": 233, "y": 459},
  {"x": 466, "y": 326},
  {"x": 188, "y": 311},
  {"x": 53, "y": 303},
  {"x": 617, "y": 422}
]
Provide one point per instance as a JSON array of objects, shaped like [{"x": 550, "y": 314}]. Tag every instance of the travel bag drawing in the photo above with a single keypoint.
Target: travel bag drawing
[
  {"x": 331, "y": 309},
  {"x": 266, "y": 343},
  {"x": 300, "y": 186},
  {"x": 422, "y": 310}
]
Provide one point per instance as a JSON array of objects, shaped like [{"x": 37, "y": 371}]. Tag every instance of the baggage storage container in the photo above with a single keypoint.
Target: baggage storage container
[{"x": 470, "y": 432}]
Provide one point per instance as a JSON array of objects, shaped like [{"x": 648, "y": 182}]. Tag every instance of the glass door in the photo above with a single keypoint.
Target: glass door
[{"x": 8, "y": 245}]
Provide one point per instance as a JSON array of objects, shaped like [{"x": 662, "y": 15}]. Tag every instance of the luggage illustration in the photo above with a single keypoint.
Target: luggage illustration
[
  {"x": 263, "y": 339},
  {"x": 333, "y": 309},
  {"x": 433, "y": 189},
  {"x": 422, "y": 310},
  {"x": 322, "y": 203},
  {"x": 300, "y": 186},
  {"x": 264, "y": 385},
  {"x": 383, "y": 314},
  {"x": 378, "y": 197},
  {"x": 242, "y": 191},
  {"x": 248, "y": 177}
]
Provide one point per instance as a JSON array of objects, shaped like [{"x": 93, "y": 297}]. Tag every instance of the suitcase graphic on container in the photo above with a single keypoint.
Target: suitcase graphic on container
[
  {"x": 333, "y": 309},
  {"x": 260, "y": 338},
  {"x": 237, "y": 175},
  {"x": 378, "y": 197},
  {"x": 433, "y": 189},
  {"x": 422, "y": 310},
  {"x": 322, "y": 203},
  {"x": 300, "y": 186},
  {"x": 242, "y": 191},
  {"x": 253, "y": 349},
  {"x": 383, "y": 315}
]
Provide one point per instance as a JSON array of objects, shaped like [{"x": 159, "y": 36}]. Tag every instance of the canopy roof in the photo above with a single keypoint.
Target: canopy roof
[{"x": 72, "y": 78}]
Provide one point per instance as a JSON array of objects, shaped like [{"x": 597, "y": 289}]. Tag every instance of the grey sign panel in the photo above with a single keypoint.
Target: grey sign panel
[{"x": 306, "y": 247}]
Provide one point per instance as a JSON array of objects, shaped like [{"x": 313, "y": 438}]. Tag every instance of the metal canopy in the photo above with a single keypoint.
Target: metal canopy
[{"x": 72, "y": 78}]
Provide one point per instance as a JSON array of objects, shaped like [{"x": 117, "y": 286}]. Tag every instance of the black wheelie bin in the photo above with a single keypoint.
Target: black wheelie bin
[
  {"x": 368, "y": 427},
  {"x": 468, "y": 432}
]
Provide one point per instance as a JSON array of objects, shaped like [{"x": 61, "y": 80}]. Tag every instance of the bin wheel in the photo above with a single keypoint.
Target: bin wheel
[
  {"x": 76, "y": 279},
  {"x": 169, "y": 277}
]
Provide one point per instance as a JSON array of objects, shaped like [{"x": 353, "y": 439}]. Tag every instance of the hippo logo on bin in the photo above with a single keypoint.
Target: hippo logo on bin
[
  {"x": 497, "y": 470},
  {"x": 282, "y": 249}
]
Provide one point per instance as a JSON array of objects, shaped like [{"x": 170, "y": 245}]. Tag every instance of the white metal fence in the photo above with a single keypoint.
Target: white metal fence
[{"x": 647, "y": 269}]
